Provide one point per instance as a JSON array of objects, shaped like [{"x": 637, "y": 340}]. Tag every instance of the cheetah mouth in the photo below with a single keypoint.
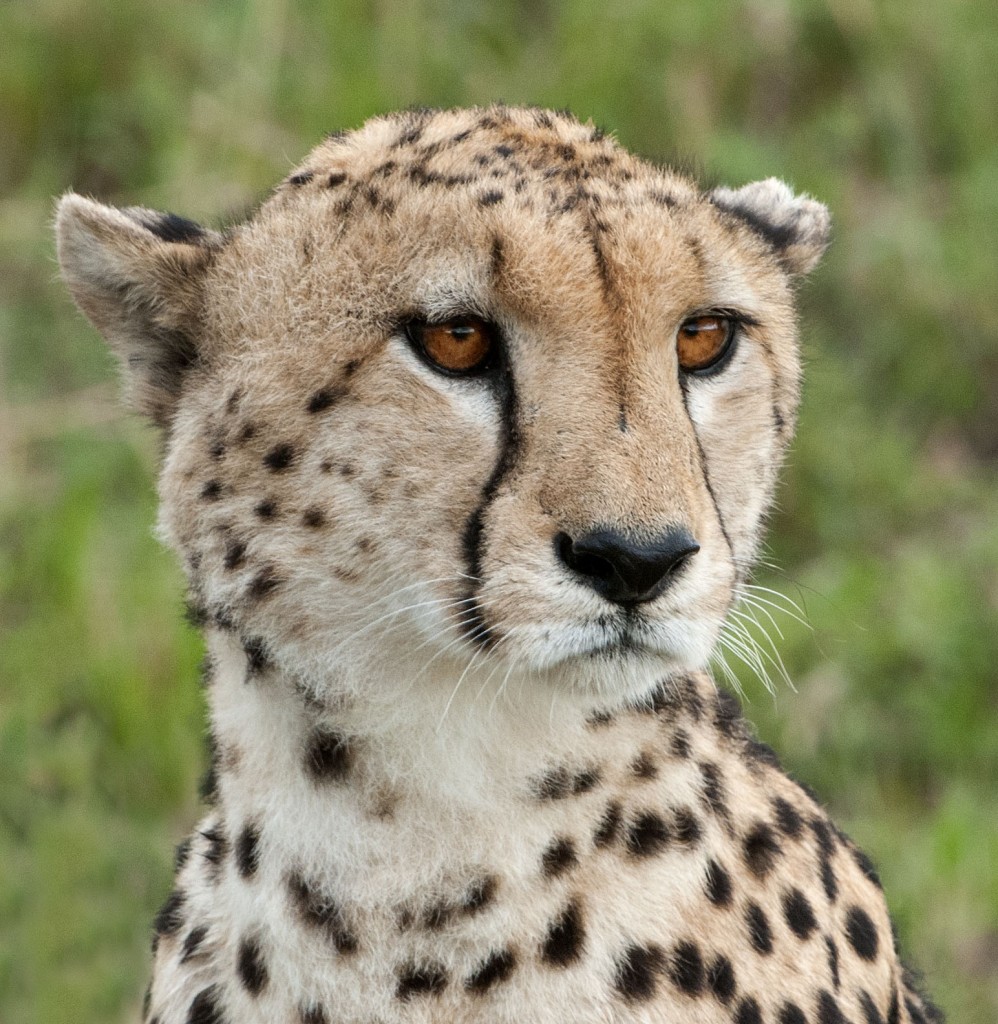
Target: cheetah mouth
[{"x": 627, "y": 637}]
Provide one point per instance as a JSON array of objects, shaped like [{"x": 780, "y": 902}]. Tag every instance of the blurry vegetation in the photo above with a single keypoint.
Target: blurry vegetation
[{"x": 887, "y": 530}]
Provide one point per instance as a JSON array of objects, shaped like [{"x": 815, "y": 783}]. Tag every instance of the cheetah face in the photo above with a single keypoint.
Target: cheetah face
[{"x": 474, "y": 393}]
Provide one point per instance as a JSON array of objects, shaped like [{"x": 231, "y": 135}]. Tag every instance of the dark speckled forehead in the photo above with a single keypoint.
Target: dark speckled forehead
[{"x": 527, "y": 158}]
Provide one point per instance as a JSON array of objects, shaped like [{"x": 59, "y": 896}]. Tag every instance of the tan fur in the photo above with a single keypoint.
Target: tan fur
[{"x": 455, "y": 783}]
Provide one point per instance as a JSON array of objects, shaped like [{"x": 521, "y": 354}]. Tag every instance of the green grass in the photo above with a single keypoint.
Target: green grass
[{"x": 887, "y": 528}]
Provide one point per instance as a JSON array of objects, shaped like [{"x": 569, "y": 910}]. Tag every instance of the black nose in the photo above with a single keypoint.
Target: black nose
[{"x": 623, "y": 570}]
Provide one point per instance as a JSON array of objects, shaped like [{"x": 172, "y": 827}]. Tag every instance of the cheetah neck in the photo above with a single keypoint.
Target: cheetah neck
[{"x": 374, "y": 799}]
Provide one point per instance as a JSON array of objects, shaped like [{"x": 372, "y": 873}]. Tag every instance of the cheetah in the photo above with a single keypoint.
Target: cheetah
[{"x": 469, "y": 435}]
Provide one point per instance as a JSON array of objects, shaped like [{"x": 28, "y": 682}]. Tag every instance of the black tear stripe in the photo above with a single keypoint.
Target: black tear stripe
[
  {"x": 472, "y": 619},
  {"x": 702, "y": 457}
]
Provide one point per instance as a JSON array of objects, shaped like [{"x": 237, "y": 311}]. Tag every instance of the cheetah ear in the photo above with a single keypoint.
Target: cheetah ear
[
  {"x": 138, "y": 275},
  {"x": 797, "y": 227}
]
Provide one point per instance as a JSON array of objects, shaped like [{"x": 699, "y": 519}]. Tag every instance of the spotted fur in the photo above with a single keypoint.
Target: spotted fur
[{"x": 452, "y": 780}]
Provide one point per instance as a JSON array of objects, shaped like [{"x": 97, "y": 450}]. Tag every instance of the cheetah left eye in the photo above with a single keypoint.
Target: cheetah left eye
[
  {"x": 702, "y": 342},
  {"x": 460, "y": 346}
]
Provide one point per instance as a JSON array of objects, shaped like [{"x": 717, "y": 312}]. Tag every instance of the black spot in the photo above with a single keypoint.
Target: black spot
[
  {"x": 248, "y": 850},
  {"x": 498, "y": 257},
  {"x": 255, "y": 649},
  {"x": 410, "y": 135},
  {"x": 490, "y": 198},
  {"x": 266, "y": 509},
  {"x": 565, "y": 938},
  {"x": 721, "y": 979},
  {"x": 324, "y": 398},
  {"x": 196, "y": 614},
  {"x": 248, "y": 432},
  {"x": 680, "y": 743},
  {"x": 748, "y": 1012},
  {"x": 914, "y": 1011},
  {"x": 217, "y": 450},
  {"x": 778, "y": 420},
  {"x": 181, "y": 854},
  {"x": 718, "y": 885},
  {"x": 170, "y": 916},
  {"x": 216, "y": 847},
  {"x": 206, "y": 1008},
  {"x": 866, "y": 866},
  {"x": 555, "y": 785},
  {"x": 833, "y": 960},
  {"x": 824, "y": 836},
  {"x": 757, "y": 752},
  {"x": 760, "y": 934},
  {"x": 870, "y": 1012},
  {"x": 437, "y": 915},
  {"x": 313, "y": 518},
  {"x": 789, "y": 821},
  {"x": 925, "y": 1010},
  {"x": 713, "y": 789},
  {"x": 279, "y": 457},
  {"x": 686, "y": 968},
  {"x": 761, "y": 849},
  {"x": 171, "y": 228},
  {"x": 828, "y": 880},
  {"x": 235, "y": 554},
  {"x": 791, "y": 1013},
  {"x": 559, "y": 857},
  {"x": 586, "y": 780},
  {"x": 328, "y": 756},
  {"x": 427, "y": 979},
  {"x": 321, "y": 912},
  {"x": 728, "y": 714},
  {"x": 208, "y": 786},
  {"x": 497, "y": 968},
  {"x": 335, "y": 179},
  {"x": 661, "y": 198},
  {"x": 480, "y": 895},
  {"x": 192, "y": 942},
  {"x": 643, "y": 766},
  {"x": 798, "y": 913},
  {"x": 314, "y": 1013},
  {"x": 637, "y": 972},
  {"x": 251, "y": 966},
  {"x": 609, "y": 825},
  {"x": 301, "y": 178},
  {"x": 862, "y": 933},
  {"x": 263, "y": 584},
  {"x": 647, "y": 835},
  {"x": 828, "y": 1010},
  {"x": 687, "y": 827},
  {"x": 211, "y": 490}
]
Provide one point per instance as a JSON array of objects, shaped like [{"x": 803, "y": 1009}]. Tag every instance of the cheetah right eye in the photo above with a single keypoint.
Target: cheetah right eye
[{"x": 461, "y": 346}]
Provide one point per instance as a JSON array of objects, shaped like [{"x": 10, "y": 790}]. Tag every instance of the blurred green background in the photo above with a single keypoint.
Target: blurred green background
[{"x": 887, "y": 532}]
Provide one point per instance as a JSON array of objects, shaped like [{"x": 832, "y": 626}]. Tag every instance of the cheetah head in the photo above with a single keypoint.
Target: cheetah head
[{"x": 473, "y": 394}]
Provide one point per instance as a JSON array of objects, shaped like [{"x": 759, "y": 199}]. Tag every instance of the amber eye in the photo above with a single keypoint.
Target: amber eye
[
  {"x": 462, "y": 345},
  {"x": 703, "y": 341}
]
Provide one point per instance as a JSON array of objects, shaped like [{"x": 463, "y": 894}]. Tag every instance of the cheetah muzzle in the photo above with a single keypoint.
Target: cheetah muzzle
[{"x": 469, "y": 435}]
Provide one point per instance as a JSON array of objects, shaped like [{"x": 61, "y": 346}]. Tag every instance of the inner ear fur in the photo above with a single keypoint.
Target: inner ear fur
[
  {"x": 138, "y": 276},
  {"x": 796, "y": 226}
]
